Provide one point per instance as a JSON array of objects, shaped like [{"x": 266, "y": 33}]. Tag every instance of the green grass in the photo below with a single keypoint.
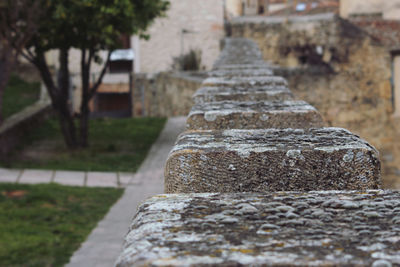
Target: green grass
[
  {"x": 115, "y": 145},
  {"x": 18, "y": 95},
  {"x": 42, "y": 225}
]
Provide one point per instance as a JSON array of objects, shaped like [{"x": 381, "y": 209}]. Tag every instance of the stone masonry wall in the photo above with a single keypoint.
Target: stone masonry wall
[
  {"x": 239, "y": 196},
  {"x": 165, "y": 94},
  {"x": 340, "y": 70},
  {"x": 13, "y": 129},
  {"x": 203, "y": 20}
]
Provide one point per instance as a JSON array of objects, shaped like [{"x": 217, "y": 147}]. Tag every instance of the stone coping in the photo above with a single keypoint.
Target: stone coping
[
  {"x": 238, "y": 93},
  {"x": 240, "y": 47},
  {"x": 238, "y": 60},
  {"x": 253, "y": 65},
  {"x": 240, "y": 64},
  {"x": 24, "y": 115},
  {"x": 253, "y": 115},
  {"x": 247, "y": 82},
  {"x": 271, "y": 160},
  {"x": 241, "y": 73},
  {"x": 329, "y": 228}
]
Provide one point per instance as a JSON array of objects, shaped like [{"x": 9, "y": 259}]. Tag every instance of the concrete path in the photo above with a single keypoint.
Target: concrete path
[
  {"x": 71, "y": 178},
  {"x": 104, "y": 244}
]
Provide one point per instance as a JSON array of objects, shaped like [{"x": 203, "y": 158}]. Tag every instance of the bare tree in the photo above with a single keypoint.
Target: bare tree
[{"x": 14, "y": 35}]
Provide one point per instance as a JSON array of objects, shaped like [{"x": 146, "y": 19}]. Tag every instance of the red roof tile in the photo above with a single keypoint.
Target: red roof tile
[{"x": 387, "y": 32}]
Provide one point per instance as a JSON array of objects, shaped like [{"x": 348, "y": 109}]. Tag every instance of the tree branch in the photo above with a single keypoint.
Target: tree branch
[
  {"x": 28, "y": 57},
  {"x": 100, "y": 79}
]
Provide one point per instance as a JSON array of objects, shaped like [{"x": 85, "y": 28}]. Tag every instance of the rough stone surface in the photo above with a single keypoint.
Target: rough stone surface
[
  {"x": 253, "y": 65},
  {"x": 235, "y": 93},
  {"x": 165, "y": 94},
  {"x": 246, "y": 82},
  {"x": 239, "y": 51},
  {"x": 240, "y": 73},
  {"x": 253, "y": 115},
  {"x": 271, "y": 160},
  {"x": 333, "y": 228},
  {"x": 356, "y": 95}
]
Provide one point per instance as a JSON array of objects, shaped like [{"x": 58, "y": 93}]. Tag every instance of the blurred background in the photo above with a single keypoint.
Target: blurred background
[
  {"x": 87, "y": 86},
  {"x": 343, "y": 57}
]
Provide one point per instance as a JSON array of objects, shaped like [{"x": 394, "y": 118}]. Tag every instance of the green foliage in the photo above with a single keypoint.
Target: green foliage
[
  {"x": 42, "y": 225},
  {"x": 94, "y": 24},
  {"x": 188, "y": 62},
  {"x": 116, "y": 145},
  {"x": 19, "y": 94}
]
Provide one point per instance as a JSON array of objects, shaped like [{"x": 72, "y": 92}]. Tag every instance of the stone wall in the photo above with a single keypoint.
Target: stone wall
[
  {"x": 238, "y": 196},
  {"x": 388, "y": 9},
  {"x": 165, "y": 94},
  {"x": 340, "y": 70},
  {"x": 202, "y": 20},
  {"x": 15, "y": 127}
]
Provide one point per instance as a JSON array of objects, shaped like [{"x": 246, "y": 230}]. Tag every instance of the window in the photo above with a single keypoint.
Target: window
[{"x": 301, "y": 7}]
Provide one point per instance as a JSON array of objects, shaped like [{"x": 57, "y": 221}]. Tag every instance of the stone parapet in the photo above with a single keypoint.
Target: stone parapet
[
  {"x": 237, "y": 93},
  {"x": 253, "y": 115},
  {"x": 264, "y": 193},
  {"x": 231, "y": 73},
  {"x": 239, "y": 51},
  {"x": 330, "y": 228},
  {"x": 271, "y": 160},
  {"x": 246, "y": 82},
  {"x": 252, "y": 65}
]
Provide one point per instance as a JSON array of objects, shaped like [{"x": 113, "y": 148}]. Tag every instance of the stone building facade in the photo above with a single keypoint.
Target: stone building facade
[
  {"x": 189, "y": 24},
  {"x": 341, "y": 69},
  {"x": 388, "y": 9}
]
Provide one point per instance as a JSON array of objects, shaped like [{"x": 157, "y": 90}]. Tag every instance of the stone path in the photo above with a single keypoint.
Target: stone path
[
  {"x": 71, "y": 178},
  {"x": 104, "y": 244}
]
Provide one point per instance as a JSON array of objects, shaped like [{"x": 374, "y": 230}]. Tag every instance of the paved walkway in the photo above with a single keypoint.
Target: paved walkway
[
  {"x": 71, "y": 178},
  {"x": 104, "y": 244}
]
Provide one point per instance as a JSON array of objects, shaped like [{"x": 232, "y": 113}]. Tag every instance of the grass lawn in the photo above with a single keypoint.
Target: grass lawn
[
  {"x": 115, "y": 145},
  {"x": 18, "y": 95},
  {"x": 42, "y": 225}
]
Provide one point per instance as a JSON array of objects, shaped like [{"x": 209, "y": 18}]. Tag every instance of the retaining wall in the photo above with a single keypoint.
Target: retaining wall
[
  {"x": 15, "y": 127},
  {"x": 166, "y": 94}
]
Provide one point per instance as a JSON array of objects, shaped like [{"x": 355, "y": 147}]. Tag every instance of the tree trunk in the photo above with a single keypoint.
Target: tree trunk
[
  {"x": 59, "y": 95},
  {"x": 6, "y": 63},
  {"x": 66, "y": 120},
  {"x": 4, "y": 76},
  {"x": 84, "y": 117},
  {"x": 88, "y": 91},
  {"x": 84, "y": 126}
]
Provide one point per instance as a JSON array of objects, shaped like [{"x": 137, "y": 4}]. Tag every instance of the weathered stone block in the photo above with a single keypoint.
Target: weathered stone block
[
  {"x": 333, "y": 228},
  {"x": 271, "y": 160},
  {"x": 237, "y": 93},
  {"x": 239, "y": 51},
  {"x": 238, "y": 60},
  {"x": 253, "y": 115},
  {"x": 240, "y": 73},
  {"x": 253, "y": 65},
  {"x": 247, "y": 82}
]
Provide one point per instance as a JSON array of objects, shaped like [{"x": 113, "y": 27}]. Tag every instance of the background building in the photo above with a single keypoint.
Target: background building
[
  {"x": 387, "y": 9},
  {"x": 189, "y": 24}
]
